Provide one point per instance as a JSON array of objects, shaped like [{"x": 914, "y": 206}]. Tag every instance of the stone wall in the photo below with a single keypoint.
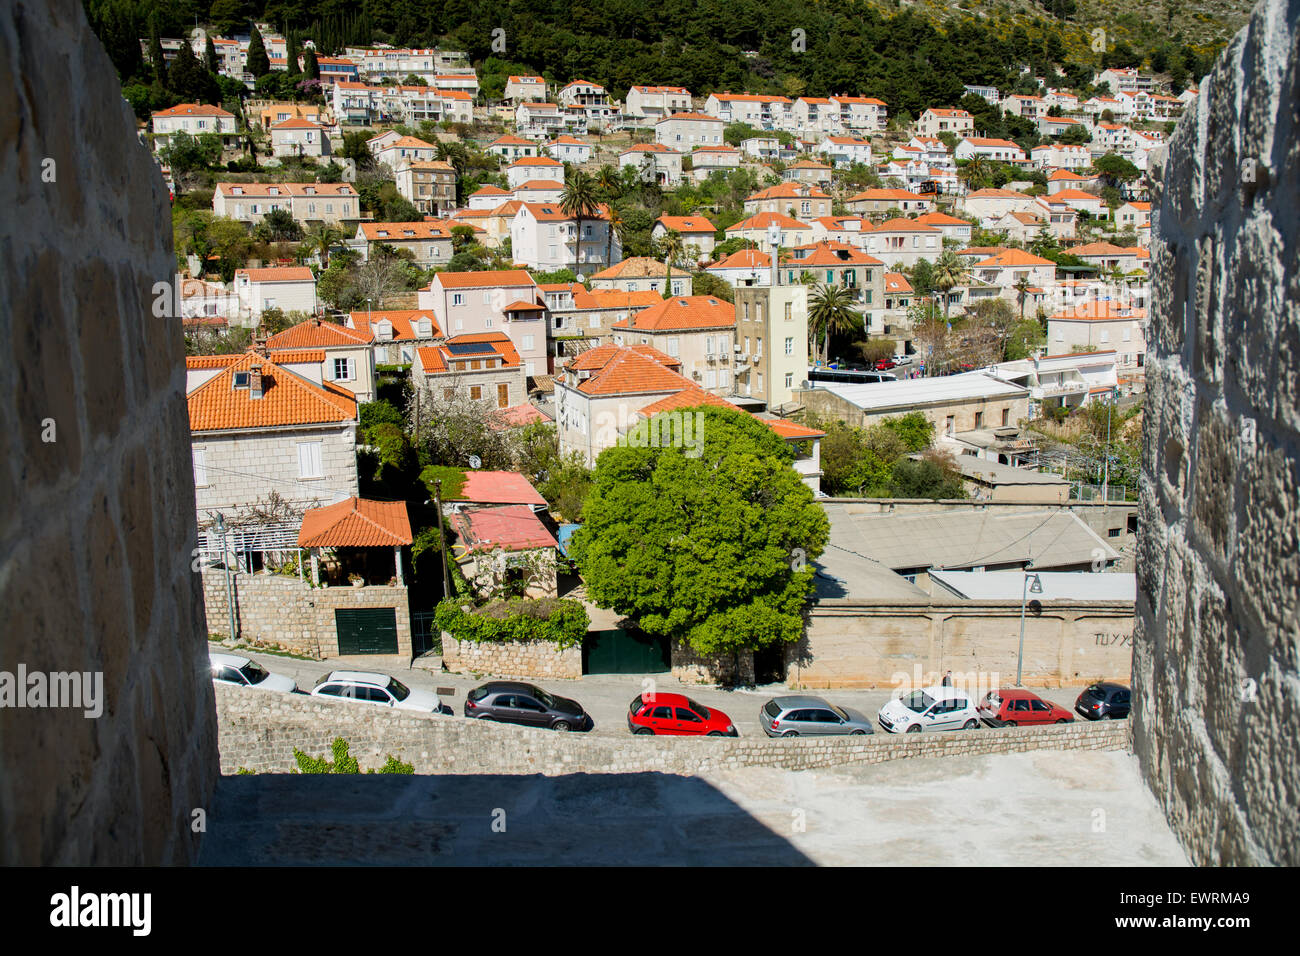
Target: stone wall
[
  {"x": 96, "y": 490},
  {"x": 1217, "y": 694},
  {"x": 727, "y": 670},
  {"x": 260, "y": 730},
  {"x": 868, "y": 644},
  {"x": 514, "y": 659},
  {"x": 276, "y": 609}
]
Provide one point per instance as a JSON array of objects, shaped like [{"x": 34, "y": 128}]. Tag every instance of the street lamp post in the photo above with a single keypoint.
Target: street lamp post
[{"x": 1035, "y": 588}]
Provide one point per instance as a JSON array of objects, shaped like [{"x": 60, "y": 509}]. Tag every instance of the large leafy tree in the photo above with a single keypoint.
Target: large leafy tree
[{"x": 711, "y": 549}]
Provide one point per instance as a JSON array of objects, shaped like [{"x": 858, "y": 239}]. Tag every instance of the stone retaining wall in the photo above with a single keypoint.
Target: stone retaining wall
[
  {"x": 258, "y": 731},
  {"x": 276, "y": 609},
  {"x": 515, "y": 659}
]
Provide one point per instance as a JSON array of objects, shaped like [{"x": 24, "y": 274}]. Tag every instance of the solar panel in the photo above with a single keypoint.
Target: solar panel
[{"x": 470, "y": 348}]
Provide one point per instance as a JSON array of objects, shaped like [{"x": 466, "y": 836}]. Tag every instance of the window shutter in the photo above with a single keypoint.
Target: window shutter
[
  {"x": 200, "y": 467},
  {"x": 352, "y": 370}
]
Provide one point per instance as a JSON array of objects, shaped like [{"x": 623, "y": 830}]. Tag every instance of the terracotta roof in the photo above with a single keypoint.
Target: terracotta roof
[
  {"x": 690, "y": 397},
  {"x": 486, "y": 279},
  {"x": 905, "y": 225},
  {"x": 1100, "y": 249},
  {"x": 316, "y": 334},
  {"x": 535, "y": 161},
  {"x": 764, "y": 219},
  {"x": 743, "y": 259},
  {"x": 883, "y": 195},
  {"x": 297, "y": 124},
  {"x": 283, "y": 274},
  {"x": 1015, "y": 257},
  {"x": 829, "y": 254},
  {"x": 435, "y": 359},
  {"x": 287, "y": 400},
  {"x": 356, "y": 523},
  {"x": 193, "y": 109},
  {"x": 517, "y": 415},
  {"x": 210, "y": 361},
  {"x": 602, "y": 355},
  {"x": 383, "y": 231},
  {"x": 1078, "y": 195},
  {"x": 510, "y": 140},
  {"x": 512, "y": 528},
  {"x": 693, "y": 117},
  {"x": 941, "y": 219},
  {"x": 687, "y": 224},
  {"x": 682, "y": 312},
  {"x": 788, "y": 191},
  {"x": 996, "y": 194},
  {"x": 628, "y": 371},
  {"x": 400, "y": 319},
  {"x": 637, "y": 267},
  {"x": 897, "y": 282},
  {"x": 498, "y": 488},
  {"x": 262, "y": 190},
  {"x": 791, "y": 431}
]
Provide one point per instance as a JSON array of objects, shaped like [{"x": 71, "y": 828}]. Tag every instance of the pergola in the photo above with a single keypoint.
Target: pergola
[{"x": 356, "y": 523}]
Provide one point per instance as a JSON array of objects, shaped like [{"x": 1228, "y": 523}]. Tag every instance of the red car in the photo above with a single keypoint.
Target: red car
[
  {"x": 884, "y": 365},
  {"x": 677, "y": 715},
  {"x": 1017, "y": 707}
]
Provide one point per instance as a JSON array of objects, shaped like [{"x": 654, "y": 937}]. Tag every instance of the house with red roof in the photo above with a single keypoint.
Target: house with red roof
[
  {"x": 760, "y": 228},
  {"x": 361, "y": 530},
  {"x": 288, "y": 288},
  {"x": 511, "y": 148},
  {"x": 299, "y": 137},
  {"x": 194, "y": 119},
  {"x": 504, "y": 300},
  {"x": 643, "y": 274},
  {"x": 500, "y": 546},
  {"x": 524, "y": 89},
  {"x": 698, "y": 234},
  {"x": 529, "y": 168},
  {"x": 886, "y": 200},
  {"x": 347, "y": 356},
  {"x": 945, "y": 120},
  {"x": 696, "y": 330},
  {"x": 707, "y": 160},
  {"x": 744, "y": 268},
  {"x": 685, "y": 130},
  {"x": 901, "y": 243},
  {"x": 428, "y": 240},
  {"x": 264, "y": 430},
  {"x": 1101, "y": 325},
  {"x": 836, "y": 264},
  {"x": 646, "y": 105},
  {"x": 987, "y": 205},
  {"x": 546, "y": 238},
  {"x": 994, "y": 274},
  {"x": 479, "y": 367},
  {"x": 581, "y": 319},
  {"x": 568, "y": 149},
  {"x": 395, "y": 334},
  {"x": 801, "y": 201},
  {"x": 654, "y": 162},
  {"x": 844, "y": 151}
]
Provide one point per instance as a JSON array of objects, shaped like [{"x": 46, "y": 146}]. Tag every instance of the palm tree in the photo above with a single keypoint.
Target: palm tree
[
  {"x": 830, "y": 309},
  {"x": 319, "y": 240},
  {"x": 579, "y": 201},
  {"x": 949, "y": 272},
  {"x": 610, "y": 182},
  {"x": 977, "y": 173},
  {"x": 1022, "y": 293}
]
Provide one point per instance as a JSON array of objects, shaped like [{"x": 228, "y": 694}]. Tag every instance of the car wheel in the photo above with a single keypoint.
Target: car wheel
[
  {"x": 1008, "y": 723},
  {"x": 970, "y": 725},
  {"x": 644, "y": 730},
  {"x": 914, "y": 729},
  {"x": 560, "y": 725},
  {"x": 857, "y": 733},
  {"x": 1063, "y": 720},
  {"x": 715, "y": 733},
  {"x": 791, "y": 733},
  {"x": 489, "y": 718}
]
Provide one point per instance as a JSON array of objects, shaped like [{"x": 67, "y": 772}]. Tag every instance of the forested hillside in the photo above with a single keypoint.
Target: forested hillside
[{"x": 911, "y": 55}]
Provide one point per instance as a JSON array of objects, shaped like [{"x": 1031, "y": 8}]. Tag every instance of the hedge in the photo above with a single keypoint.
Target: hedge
[{"x": 559, "y": 621}]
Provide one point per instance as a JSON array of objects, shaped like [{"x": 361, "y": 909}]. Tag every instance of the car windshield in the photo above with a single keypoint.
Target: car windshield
[
  {"x": 543, "y": 698},
  {"x": 636, "y": 704},
  {"x": 398, "y": 690},
  {"x": 919, "y": 702},
  {"x": 698, "y": 708},
  {"x": 772, "y": 709},
  {"x": 255, "y": 672}
]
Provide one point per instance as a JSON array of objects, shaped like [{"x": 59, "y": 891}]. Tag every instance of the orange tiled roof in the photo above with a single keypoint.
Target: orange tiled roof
[
  {"x": 487, "y": 279},
  {"x": 280, "y": 274},
  {"x": 690, "y": 397},
  {"x": 435, "y": 359},
  {"x": 316, "y": 334},
  {"x": 382, "y": 231},
  {"x": 1015, "y": 257},
  {"x": 637, "y": 267},
  {"x": 682, "y": 312},
  {"x": 687, "y": 224},
  {"x": 287, "y": 400},
  {"x": 400, "y": 319},
  {"x": 627, "y": 371},
  {"x": 356, "y": 523}
]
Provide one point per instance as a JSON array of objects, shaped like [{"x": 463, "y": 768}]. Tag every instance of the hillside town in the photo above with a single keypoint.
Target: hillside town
[{"x": 419, "y": 315}]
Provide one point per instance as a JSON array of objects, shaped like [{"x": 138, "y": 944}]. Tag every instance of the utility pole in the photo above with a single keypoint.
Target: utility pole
[
  {"x": 442, "y": 538},
  {"x": 225, "y": 563},
  {"x": 1105, "y": 482}
]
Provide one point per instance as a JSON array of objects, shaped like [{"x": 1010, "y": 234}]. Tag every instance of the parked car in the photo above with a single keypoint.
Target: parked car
[
  {"x": 245, "y": 672},
  {"x": 1017, "y": 707},
  {"x": 527, "y": 704},
  {"x": 884, "y": 365},
  {"x": 934, "y": 708},
  {"x": 376, "y": 689},
  {"x": 901, "y": 359},
  {"x": 677, "y": 715},
  {"x": 810, "y": 717},
  {"x": 1104, "y": 701}
]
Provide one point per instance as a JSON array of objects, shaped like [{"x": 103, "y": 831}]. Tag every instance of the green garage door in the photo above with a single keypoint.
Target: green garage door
[
  {"x": 366, "y": 630},
  {"x": 624, "y": 652}
]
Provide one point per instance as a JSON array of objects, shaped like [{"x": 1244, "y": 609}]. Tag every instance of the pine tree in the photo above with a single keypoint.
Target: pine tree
[
  {"x": 157, "y": 61},
  {"x": 291, "y": 53},
  {"x": 210, "y": 57},
  {"x": 259, "y": 64},
  {"x": 311, "y": 67}
]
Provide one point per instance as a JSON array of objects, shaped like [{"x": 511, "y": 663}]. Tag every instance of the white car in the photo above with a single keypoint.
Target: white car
[
  {"x": 374, "y": 688},
  {"x": 244, "y": 672},
  {"x": 934, "y": 708},
  {"x": 901, "y": 359}
]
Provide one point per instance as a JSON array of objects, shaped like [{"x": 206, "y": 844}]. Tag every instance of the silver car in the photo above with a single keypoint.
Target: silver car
[{"x": 810, "y": 717}]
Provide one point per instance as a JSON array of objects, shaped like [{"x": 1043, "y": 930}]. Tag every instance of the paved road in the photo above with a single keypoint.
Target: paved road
[{"x": 604, "y": 697}]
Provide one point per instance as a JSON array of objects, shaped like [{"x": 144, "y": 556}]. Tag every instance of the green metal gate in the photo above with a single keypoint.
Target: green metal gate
[
  {"x": 625, "y": 652},
  {"x": 366, "y": 630}
]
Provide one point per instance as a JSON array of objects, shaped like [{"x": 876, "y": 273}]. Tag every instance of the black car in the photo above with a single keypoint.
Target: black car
[
  {"x": 527, "y": 704},
  {"x": 1104, "y": 701}
]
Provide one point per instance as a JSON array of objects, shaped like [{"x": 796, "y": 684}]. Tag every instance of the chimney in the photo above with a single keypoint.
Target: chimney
[{"x": 255, "y": 382}]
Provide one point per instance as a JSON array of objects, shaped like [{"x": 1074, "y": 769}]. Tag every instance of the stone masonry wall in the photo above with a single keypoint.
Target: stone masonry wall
[
  {"x": 96, "y": 489},
  {"x": 276, "y": 609},
  {"x": 260, "y": 730},
  {"x": 511, "y": 659},
  {"x": 1217, "y": 692}
]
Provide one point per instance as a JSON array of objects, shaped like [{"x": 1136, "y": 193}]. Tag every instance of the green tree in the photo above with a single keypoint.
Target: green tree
[
  {"x": 580, "y": 201},
  {"x": 830, "y": 309},
  {"x": 259, "y": 64},
  {"x": 311, "y": 66},
  {"x": 210, "y": 56},
  {"x": 949, "y": 272},
  {"x": 913, "y": 429},
  {"x": 157, "y": 61},
  {"x": 696, "y": 543}
]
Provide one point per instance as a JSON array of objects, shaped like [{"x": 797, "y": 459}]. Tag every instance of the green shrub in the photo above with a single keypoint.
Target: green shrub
[
  {"x": 557, "y": 621},
  {"x": 344, "y": 762}
]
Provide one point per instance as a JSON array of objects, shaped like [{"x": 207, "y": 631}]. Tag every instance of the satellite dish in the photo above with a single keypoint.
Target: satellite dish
[{"x": 475, "y": 461}]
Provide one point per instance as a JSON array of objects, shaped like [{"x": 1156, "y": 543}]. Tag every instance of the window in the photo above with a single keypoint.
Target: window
[
  {"x": 789, "y": 379},
  {"x": 200, "y": 468},
  {"x": 457, "y": 299},
  {"x": 979, "y": 419},
  {"x": 475, "y": 392},
  {"x": 503, "y": 395},
  {"x": 789, "y": 345},
  {"x": 1006, "y": 417},
  {"x": 343, "y": 370},
  {"x": 309, "y": 460},
  {"x": 528, "y": 343},
  {"x": 1113, "y": 532}
]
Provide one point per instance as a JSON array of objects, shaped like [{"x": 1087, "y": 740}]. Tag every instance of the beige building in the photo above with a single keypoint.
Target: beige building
[
  {"x": 429, "y": 242},
  {"x": 348, "y": 362},
  {"x": 429, "y": 186},
  {"x": 939, "y": 120},
  {"x": 1101, "y": 325},
  {"x": 642, "y": 274},
  {"x": 802, "y": 201},
  {"x": 772, "y": 339},
  {"x": 309, "y": 203},
  {"x": 481, "y": 367},
  {"x": 697, "y": 331}
]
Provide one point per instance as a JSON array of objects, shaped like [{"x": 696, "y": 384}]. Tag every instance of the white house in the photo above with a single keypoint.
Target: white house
[
  {"x": 194, "y": 119},
  {"x": 685, "y": 131},
  {"x": 545, "y": 238},
  {"x": 569, "y": 149},
  {"x": 646, "y": 105},
  {"x": 290, "y": 289},
  {"x": 654, "y": 162},
  {"x": 299, "y": 137},
  {"x": 845, "y": 150},
  {"x": 998, "y": 150}
]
